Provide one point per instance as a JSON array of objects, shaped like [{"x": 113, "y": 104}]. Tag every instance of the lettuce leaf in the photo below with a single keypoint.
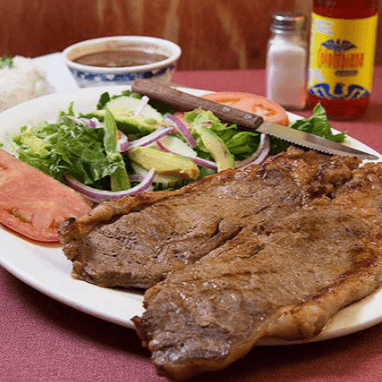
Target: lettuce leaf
[
  {"x": 240, "y": 143},
  {"x": 318, "y": 124},
  {"x": 65, "y": 147}
]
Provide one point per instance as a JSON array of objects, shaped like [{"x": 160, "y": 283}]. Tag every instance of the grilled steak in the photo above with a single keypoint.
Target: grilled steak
[
  {"x": 137, "y": 241},
  {"x": 272, "y": 251},
  {"x": 283, "y": 281}
]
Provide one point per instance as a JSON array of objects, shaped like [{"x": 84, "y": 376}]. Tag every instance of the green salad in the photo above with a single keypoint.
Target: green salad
[{"x": 130, "y": 144}]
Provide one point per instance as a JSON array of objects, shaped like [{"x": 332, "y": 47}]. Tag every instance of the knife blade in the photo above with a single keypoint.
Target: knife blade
[{"x": 185, "y": 102}]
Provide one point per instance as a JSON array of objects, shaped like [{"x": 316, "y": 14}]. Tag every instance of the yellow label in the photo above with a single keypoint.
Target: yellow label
[{"x": 341, "y": 59}]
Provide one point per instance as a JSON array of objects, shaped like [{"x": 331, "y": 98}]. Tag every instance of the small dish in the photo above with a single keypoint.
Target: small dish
[{"x": 135, "y": 57}]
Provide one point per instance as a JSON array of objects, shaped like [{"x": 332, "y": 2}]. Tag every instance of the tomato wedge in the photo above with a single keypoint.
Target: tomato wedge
[
  {"x": 32, "y": 203},
  {"x": 252, "y": 103}
]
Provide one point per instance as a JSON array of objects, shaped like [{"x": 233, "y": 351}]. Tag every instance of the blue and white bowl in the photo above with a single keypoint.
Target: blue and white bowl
[{"x": 88, "y": 76}]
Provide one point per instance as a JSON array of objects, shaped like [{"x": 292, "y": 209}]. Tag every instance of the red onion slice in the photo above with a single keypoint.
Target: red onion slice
[
  {"x": 150, "y": 138},
  {"x": 204, "y": 163},
  {"x": 164, "y": 148},
  {"x": 198, "y": 161},
  {"x": 136, "y": 177},
  {"x": 141, "y": 106},
  {"x": 183, "y": 129},
  {"x": 93, "y": 123},
  {"x": 259, "y": 155},
  {"x": 100, "y": 195},
  {"x": 123, "y": 142},
  {"x": 264, "y": 154},
  {"x": 79, "y": 121}
]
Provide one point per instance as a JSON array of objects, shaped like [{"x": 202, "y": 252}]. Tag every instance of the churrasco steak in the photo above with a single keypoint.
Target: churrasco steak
[
  {"x": 284, "y": 282},
  {"x": 137, "y": 241},
  {"x": 272, "y": 251}
]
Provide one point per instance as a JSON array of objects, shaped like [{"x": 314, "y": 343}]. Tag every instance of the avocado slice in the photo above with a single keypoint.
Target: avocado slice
[
  {"x": 216, "y": 146},
  {"x": 164, "y": 163},
  {"x": 127, "y": 122},
  {"x": 119, "y": 180},
  {"x": 166, "y": 181},
  {"x": 123, "y": 109}
]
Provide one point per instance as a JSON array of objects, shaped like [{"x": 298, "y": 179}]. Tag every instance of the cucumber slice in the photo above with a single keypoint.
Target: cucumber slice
[
  {"x": 127, "y": 122},
  {"x": 126, "y": 104},
  {"x": 216, "y": 146},
  {"x": 178, "y": 146}
]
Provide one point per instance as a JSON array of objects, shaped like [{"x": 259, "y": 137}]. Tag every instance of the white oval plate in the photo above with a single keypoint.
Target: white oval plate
[{"x": 45, "y": 268}]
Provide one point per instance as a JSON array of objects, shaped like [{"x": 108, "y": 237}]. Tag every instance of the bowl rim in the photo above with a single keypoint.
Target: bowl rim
[{"x": 171, "y": 46}]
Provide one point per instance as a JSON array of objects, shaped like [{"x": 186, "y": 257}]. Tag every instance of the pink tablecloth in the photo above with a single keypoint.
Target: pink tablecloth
[{"x": 42, "y": 340}]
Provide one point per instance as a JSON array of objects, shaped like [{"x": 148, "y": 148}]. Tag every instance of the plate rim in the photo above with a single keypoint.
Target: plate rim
[{"x": 13, "y": 265}]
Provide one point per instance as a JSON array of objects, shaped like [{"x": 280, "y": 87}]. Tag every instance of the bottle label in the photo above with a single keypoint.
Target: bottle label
[{"x": 341, "y": 57}]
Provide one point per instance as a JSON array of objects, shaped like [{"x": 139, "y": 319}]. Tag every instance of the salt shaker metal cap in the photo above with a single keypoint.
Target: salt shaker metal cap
[{"x": 284, "y": 22}]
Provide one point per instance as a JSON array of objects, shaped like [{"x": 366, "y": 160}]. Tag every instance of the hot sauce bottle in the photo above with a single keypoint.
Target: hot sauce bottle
[{"x": 341, "y": 58}]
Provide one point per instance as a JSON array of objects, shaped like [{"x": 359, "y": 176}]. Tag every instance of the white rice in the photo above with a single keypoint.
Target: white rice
[{"x": 21, "y": 82}]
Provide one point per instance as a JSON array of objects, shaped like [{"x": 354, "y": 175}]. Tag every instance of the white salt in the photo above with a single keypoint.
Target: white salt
[{"x": 286, "y": 71}]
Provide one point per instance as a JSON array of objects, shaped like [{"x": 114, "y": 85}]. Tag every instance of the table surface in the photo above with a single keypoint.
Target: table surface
[{"x": 43, "y": 340}]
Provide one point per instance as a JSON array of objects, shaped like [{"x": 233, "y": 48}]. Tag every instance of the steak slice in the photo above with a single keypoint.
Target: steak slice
[
  {"x": 137, "y": 241},
  {"x": 285, "y": 282},
  {"x": 363, "y": 194}
]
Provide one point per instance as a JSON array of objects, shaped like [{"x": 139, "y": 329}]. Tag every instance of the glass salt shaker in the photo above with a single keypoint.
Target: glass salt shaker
[{"x": 286, "y": 63}]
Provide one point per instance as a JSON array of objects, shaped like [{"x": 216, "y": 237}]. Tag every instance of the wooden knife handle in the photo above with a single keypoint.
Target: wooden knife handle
[{"x": 186, "y": 102}]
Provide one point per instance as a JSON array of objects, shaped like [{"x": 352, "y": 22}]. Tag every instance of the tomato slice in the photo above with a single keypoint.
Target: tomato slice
[
  {"x": 32, "y": 203},
  {"x": 252, "y": 103}
]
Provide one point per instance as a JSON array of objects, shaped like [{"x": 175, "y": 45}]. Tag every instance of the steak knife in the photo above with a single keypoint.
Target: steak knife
[{"x": 186, "y": 102}]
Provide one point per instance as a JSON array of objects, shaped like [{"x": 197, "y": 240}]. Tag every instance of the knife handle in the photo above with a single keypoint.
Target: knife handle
[{"x": 186, "y": 102}]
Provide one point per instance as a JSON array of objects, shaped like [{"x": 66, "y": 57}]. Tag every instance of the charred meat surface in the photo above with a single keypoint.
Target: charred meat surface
[
  {"x": 137, "y": 241},
  {"x": 272, "y": 251},
  {"x": 286, "y": 282}
]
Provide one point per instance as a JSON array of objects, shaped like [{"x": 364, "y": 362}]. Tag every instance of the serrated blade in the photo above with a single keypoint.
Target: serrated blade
[{"x": 311, "y": 141}]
